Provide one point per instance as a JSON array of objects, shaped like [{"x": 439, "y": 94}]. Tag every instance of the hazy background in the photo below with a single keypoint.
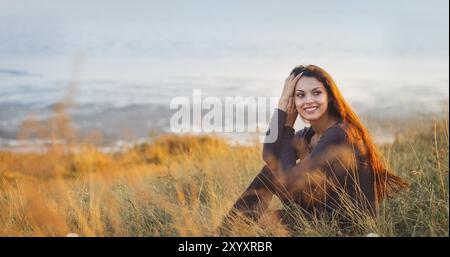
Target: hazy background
[{"x": 390, "y": 58}]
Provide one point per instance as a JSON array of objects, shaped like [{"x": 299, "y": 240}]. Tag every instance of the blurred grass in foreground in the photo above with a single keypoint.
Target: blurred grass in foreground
[{"x": 184, "y": 185}]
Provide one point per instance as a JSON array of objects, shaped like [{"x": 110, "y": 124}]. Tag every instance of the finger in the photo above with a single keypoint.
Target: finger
[
  {"x": 294, "y": 108},
  {"x": 297, "y": 77},
  {"x": 292, "y": 104},
  {"x": 288, "y": 105}
]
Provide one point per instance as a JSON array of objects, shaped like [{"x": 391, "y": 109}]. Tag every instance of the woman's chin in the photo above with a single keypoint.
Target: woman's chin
[{"x": 311, "y": 117}]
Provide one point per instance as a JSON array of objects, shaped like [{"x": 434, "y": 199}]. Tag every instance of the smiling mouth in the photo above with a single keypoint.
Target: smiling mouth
[{"x": 310, "y": 109}]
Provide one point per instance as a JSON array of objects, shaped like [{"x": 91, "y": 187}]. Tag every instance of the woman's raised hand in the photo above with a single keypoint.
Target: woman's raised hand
[
  {"x": 288, "y": 91},
  {"x": 291, "y": 112}
]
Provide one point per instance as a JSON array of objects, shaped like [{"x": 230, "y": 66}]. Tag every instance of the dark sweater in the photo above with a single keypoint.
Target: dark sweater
[
  {"x": 316, "y": 183},
  {"x": 333, "y": 168}
]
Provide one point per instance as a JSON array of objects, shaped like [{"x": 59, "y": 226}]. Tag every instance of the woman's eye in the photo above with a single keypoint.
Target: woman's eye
[
  {"x": 299, "y": 95},
  {"x": 317, "y": 93}
]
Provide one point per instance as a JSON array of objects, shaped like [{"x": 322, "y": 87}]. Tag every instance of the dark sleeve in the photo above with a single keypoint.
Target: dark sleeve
[
  {"x": 274, "y": 137},
  {"x": 287, "y": 155},
  {"x": 332, "y": 146}
]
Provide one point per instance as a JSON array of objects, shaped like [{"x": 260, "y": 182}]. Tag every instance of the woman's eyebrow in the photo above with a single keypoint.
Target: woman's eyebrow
[{"x": 311, "y": 90}]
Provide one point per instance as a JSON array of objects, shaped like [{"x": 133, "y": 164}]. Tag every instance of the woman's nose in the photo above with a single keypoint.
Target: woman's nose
[{"x": 308, "y": 99}]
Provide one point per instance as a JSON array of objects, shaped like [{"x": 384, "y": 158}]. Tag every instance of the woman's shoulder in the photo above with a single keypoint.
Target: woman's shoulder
[
  {"x": 338, "y": 133},
  {"x": 339, "y": 129}
]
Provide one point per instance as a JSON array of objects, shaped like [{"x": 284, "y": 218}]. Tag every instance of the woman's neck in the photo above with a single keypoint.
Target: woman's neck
[{"x": 321, "y": 125}]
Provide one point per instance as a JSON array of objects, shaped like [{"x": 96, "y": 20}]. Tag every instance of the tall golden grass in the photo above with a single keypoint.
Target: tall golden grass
[{"x": 185, "y": 185}]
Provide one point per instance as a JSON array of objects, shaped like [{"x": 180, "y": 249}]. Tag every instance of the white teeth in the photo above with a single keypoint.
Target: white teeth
[{"x": 310, "y": 109}]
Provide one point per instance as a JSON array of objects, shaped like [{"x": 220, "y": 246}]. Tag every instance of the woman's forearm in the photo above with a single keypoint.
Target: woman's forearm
[
  {"x": 273, "y": 138},
  {"x": 287, "y": 155}
]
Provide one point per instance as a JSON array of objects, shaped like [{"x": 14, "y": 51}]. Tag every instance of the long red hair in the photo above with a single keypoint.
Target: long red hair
[{"x": 385, "y": 181}]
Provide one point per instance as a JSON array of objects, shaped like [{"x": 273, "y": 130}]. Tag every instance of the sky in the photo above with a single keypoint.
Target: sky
[
  {"x": 238, "y": 28},
  {"x": 385, "y": 55}
]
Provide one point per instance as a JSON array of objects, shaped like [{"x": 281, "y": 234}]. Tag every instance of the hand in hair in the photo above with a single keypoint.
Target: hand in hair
[
  {"x": 288, "y": 91},
  {"x": 291, "y": 113}
]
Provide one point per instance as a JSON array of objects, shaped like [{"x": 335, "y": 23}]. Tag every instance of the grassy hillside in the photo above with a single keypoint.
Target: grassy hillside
[{"x": 183, "y": 186}]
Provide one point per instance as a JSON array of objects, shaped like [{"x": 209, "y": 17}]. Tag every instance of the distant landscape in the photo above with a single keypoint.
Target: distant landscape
[{"x": 86, "y": 144}]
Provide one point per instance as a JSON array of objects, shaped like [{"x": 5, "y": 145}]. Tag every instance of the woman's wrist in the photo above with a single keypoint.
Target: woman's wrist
[
  {"x": 282, "y": 104},
  {"x": 289, "y": 124}
]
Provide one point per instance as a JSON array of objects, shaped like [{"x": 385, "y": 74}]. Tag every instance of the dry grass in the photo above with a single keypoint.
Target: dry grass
[{"x": 183, "y": 186}]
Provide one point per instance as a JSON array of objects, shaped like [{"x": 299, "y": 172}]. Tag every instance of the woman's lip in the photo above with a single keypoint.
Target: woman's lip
[{"x": 310, "y": 108}]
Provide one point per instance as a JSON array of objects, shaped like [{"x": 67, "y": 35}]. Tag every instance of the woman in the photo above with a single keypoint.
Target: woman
[{"x": 329, "y": 168}]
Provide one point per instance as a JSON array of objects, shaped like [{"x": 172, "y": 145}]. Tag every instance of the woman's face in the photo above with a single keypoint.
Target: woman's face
[{"x": 311, "y": 98}]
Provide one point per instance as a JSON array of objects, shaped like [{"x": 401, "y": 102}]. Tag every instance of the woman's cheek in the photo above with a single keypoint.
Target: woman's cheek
[
  {"x": 322, "y": 99},
  {"x": 323, "y": 105}
]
